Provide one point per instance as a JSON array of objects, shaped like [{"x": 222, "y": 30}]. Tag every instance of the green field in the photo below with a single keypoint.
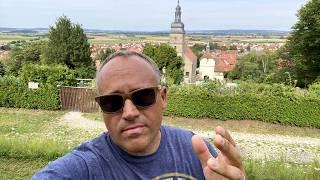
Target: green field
[
  {"x": 116, "y": 39},
  {"x": 124, "y": 38},
  {"x": 6, "y": 38}
]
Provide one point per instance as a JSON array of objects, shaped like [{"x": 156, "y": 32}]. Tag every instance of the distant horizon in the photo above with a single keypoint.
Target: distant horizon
[
  {"x": 202, "y": 30},
  {"x": 156, "y": 15}
]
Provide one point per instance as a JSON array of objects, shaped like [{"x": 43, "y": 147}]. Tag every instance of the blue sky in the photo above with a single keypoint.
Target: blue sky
[{"x": 152, "y": 15}]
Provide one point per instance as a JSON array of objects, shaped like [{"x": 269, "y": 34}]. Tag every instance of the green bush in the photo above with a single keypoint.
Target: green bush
[
  {"x": 315, "y": 88},
  {"x": 15, "y": 93},
  {"x": 46, "y": 74},
  {"x": 270, "y": 103}
]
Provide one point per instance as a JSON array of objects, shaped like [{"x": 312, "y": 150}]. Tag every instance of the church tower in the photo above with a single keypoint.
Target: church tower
[
  {"x": 177, "y": 32},
  {"x": 177, "y": 41}
]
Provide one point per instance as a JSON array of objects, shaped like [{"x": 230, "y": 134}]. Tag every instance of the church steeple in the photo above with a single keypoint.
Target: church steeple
[
  {"x": 178, "y": 13},
  {"x": 177, "y": 26}
]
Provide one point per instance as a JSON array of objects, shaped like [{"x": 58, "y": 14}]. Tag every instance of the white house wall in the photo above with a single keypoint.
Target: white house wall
[{"x": 206, "y": 68}]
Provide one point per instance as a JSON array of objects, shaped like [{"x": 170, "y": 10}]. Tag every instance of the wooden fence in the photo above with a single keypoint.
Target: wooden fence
[{"x": 78, "y": 99}]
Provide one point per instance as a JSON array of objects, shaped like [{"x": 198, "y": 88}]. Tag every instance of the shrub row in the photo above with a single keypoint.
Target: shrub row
[
  {"x": 285, "y": 107},
  {"x": 271, "y": 103},
  {"x": 15, "y": 93}
]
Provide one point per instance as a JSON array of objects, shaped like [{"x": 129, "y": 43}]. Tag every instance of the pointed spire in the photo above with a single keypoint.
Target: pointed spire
[
  {"x": 178, "y": 13},
  {"x": 177, "y": 26}
]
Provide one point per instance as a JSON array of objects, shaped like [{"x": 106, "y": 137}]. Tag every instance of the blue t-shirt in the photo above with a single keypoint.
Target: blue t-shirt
[{"x": 100, "y": 158}]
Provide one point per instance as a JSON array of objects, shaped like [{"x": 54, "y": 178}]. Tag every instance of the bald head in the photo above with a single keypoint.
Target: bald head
[{"x": 136, "y": 60}]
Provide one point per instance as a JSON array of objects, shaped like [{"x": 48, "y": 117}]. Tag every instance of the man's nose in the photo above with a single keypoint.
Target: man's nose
[{"x": 130, "y": 111}]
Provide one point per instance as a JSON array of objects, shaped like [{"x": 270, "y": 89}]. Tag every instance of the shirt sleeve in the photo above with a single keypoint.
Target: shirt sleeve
[{"x": 69, "y": 166}]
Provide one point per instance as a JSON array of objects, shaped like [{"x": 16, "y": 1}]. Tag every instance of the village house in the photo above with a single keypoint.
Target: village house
[{"x": 214, "y": 65}]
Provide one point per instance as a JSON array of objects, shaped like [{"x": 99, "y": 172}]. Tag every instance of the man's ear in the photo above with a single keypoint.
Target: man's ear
[{"x": 164, "y": 97}]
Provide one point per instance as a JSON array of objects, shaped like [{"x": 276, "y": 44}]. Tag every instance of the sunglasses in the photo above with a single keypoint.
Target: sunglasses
[{"x": 141, "y": 98}]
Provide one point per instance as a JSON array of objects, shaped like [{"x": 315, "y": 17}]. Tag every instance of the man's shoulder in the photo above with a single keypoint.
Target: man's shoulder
[
  {"x": 76, "y": 163},
  {"x": 92, "y": 149}
]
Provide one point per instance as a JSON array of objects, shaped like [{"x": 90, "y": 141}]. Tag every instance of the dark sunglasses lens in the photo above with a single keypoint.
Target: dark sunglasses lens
[
  {"x": 143, "y": 98},
  {"x": 111, "y": 103}
]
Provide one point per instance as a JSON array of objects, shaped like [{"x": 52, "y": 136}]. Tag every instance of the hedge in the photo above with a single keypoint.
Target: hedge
[
  {"x": 287, "y": 107},
  {"x": 15, "y": 93},
  {"x": 274, "y": 103}
]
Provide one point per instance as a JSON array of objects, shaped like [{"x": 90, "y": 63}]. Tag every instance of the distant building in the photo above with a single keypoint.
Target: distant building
[
  {"x": 177, "y": 40},
  {"x": 213, "y": 65}
]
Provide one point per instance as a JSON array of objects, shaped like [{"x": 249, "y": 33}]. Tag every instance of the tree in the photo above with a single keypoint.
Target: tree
[
  {"x": 304, "y": 43},
  {"x": 166, "y": 58},
  {"x": 69, "y": 45},
  {"x": 255, "y": 66},
  {"x": 103, "y": 54},
  {"x": 233, "y": 47},
  {"x": 25, "y": 54}
]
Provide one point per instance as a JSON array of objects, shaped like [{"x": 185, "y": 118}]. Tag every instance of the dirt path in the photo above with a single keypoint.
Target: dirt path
[
  {"x": 251, "y": 145},
  {"x": 76, "y": 120}
]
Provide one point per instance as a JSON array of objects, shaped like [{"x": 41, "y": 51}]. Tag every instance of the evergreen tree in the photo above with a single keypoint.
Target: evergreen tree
[{"x": 68, "y": 44}]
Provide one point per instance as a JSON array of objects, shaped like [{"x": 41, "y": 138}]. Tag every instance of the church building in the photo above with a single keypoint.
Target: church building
[{"x": 177, "y": 40}]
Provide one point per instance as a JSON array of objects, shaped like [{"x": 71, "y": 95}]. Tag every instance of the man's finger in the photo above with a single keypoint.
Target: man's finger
[
  {"x": 220, "y": 130},
  {"x": 211, "y": 175},
  {"x": 230, "y": 152},
  {"x": 201, "y": 149},
  {"x": 224, "y": 169}
]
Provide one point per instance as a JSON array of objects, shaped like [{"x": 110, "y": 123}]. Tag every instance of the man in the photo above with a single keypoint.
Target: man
[{"x": 136, "y": 146}]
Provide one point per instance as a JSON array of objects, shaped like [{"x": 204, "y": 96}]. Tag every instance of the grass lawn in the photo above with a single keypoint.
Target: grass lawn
[
  {"x": 29, "y": 139},
  {"x": 11, "y": 168}
]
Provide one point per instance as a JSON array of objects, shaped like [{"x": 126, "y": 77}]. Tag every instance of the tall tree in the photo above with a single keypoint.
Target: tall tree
[
  {"x": 68, "y": 44},
  {"x": 166, "y": 58},
  {"x": 304, "y": 42}
]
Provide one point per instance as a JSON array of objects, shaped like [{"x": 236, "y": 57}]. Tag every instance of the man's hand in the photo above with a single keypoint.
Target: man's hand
[{"x": 227, "y": 165}]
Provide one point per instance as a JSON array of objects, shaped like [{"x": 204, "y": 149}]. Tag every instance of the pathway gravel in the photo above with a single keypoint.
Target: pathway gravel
[{"x": 252, "y": 146}]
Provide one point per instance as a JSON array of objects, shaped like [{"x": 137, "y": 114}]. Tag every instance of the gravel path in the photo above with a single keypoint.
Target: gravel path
[
  {"x": 252, "y": 146},
  {"x": 76, "y": 120},
  {"x": 274, "y": 147}
]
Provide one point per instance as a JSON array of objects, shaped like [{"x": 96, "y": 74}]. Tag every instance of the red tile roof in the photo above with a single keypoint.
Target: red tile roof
[
  {"x": 225, "y": 61},
  {"x": 188, "y": 52}
]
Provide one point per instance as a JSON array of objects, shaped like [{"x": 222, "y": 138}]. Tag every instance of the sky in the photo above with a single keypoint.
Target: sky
[{"x": 153, "y": 15}]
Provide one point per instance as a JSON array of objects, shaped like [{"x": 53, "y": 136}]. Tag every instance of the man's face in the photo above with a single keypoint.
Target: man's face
[{"x": 135, "y": 130}]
